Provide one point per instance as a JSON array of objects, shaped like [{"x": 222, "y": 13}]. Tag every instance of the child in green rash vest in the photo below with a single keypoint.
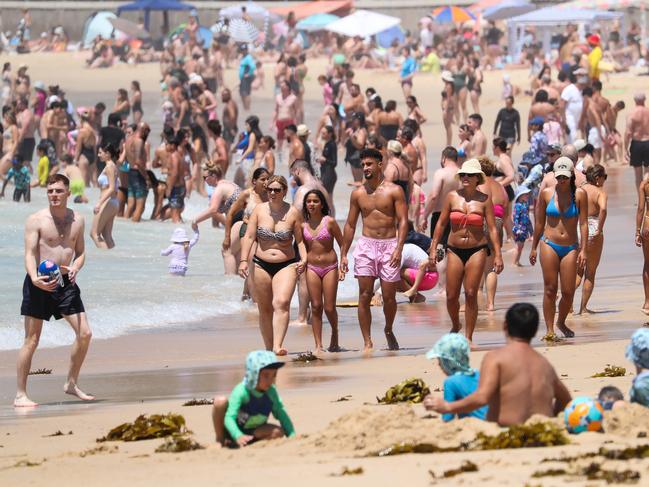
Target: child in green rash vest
[{"x": 243, "y": 417}]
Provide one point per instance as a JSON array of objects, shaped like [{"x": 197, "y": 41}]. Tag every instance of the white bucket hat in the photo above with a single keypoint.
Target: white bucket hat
[{"x": 179, "y": 236}]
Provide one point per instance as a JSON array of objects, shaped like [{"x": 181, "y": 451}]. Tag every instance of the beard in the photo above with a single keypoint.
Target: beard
[{"x": 368, "y": 175}]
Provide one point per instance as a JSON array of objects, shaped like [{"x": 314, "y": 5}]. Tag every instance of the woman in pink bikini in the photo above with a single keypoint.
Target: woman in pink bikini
[{"x": 322, "y": 275}]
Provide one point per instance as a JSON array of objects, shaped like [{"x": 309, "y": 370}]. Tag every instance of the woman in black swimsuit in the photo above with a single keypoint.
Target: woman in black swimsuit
[
  {"x": 275, "y": 226},
  {"x": 136, "y": 102},
  {"x": 388, "y": 122},
  {"x": 356, "y": 138}
]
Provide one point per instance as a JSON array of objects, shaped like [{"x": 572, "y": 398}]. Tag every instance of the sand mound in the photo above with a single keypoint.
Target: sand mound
[
  {"x": 630, "y": 420},
  {"x": 371, "y": 429}
]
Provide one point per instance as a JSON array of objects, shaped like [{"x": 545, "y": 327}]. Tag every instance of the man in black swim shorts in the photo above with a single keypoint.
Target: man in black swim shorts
[
  {"x": 636, "y": 138},
  {"x": 55, "y": 233}
]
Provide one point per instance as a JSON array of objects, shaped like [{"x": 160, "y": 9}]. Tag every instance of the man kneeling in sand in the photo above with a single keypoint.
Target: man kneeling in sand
[{"x": 515, "y": 380}]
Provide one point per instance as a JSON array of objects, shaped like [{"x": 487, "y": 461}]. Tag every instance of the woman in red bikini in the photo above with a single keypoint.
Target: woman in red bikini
[
  {"x": 467, "y": 209},
  {"x": 322, "y": 276}
]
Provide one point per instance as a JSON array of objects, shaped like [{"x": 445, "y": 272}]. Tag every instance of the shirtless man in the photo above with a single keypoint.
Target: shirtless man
[
  {"x": 615, "y": 142},
  {"x": 479, "y": 140},
  {"x": 444, "y": 181},
  {"x": 513, "y": 393},
  {"x": 593, "y": 124},
  {"x": 26, "y": 128},
  {"x": 52, "y": 126},
  {"x": 384, "y": 212},
  {"x": 175, "y": 191},
  {"x": 295, "y": 145},
  {"x": 160, "y": 167},
  {"x": 230, "y": 117},
  {"x": 306, "y": 181},
  {"x": 220, "y": 153},
  {"x": 405, "y": 138},
  {"x": 138, "y": 179},
  {"x": 541, "y": 107},
  {"x": 421, "y": 176},
  {"x": 57, "y": 234},
  {"x": 356, "y": 102},
  {"x": 636, "y": 138}
]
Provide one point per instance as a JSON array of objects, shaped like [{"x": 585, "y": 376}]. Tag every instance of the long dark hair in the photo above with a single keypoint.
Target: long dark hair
[
  {"x": 323, "y": 202},
  {"x": 259, "y": 172},
  {"x": 253, "y": 121}
]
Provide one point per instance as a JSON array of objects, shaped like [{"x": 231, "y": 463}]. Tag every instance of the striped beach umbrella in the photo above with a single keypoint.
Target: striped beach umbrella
[
  {"x": 455, "y": 15},
  {"x": 239, "y": 30}
]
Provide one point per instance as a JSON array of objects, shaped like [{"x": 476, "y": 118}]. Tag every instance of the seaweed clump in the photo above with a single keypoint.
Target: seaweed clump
[
  {"x": 594, "y": 471},
  {"x": 40, "y": 372},
  {"x": 179, "y": 443},
  {"x": 410, "y": 390},
  {"x": 467, "y": 466},
  {"x": 629, "y": 453},
  {"x": 199, "y": 402},
  {"x": 403, "y": 448},
  {"x": 346, "y": 471},
  {"x": 524, "y": 436},
  {"x": 148, "y": 427},
  {"x": 611, "y": 371},
  {"x": 306, "y": 357},
  {"x": 58, "y": 433}
]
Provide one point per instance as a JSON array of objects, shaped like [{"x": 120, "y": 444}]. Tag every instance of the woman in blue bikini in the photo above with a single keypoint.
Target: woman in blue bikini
[{"x": 561, "y": 216}]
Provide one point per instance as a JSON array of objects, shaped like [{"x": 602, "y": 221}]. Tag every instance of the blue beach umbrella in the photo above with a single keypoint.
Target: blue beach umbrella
[{"x": 316, "y": 22}]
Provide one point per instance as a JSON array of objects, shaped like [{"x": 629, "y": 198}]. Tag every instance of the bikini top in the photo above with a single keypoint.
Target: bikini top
[
  {"x": 466, "y": 219},
  {"x": 281, "y": 236},
  {"x": 102, "y": 180},
  {"x": 499, "y": 211},
  {"x": 552, "y": 209},
  {"x": 323, "y": 234}
]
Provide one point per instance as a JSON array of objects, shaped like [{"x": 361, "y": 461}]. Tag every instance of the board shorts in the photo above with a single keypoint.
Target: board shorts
[
  {"x": 594, "y": 138},
  {"x": 280, "y": 125},
  {"x": 137, "y": 187},
  {"x": 63, "y": 301},
  {"x": 372, "y": 259},
  {"x": 245, "y": 85},
  {"x": 26, "y": 149},
  {"x": 639, "y": 153},
  {"x": 177, "y": 197},
  {"x": 447, "y": 231},
  {"x": 77, "y": 187}
]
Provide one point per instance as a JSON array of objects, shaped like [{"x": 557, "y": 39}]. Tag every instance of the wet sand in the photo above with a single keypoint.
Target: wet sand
[{"x": 155, "y": 371}]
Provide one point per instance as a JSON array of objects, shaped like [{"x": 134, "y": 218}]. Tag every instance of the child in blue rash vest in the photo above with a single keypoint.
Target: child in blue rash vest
[
  {"x": 242, "y": 418},
  {"x": 452, "y": 352}
]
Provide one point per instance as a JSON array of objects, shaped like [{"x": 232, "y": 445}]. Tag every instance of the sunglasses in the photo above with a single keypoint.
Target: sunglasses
[
  {"x": 562, "y": 178},
  {"x": 274, "y": 190},
  {"x": 465, "y": 175}
]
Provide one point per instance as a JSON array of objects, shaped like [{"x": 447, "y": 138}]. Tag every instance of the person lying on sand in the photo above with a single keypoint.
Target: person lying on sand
[
  {"x": 452, "y": 354},
  {"x": 513, "y": 392},
  {"x": 242, "y": 418}
]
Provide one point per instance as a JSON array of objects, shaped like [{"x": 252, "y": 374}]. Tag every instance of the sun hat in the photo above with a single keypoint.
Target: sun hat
[
  {"x": 53, "y": 99},
  {"x": 179, "y": 236},
  {"x": 395, "y": 146},
  {"x": 579, "y": 144},
  {"x": 520, "y": 191},
  {"x": 538, "y": 120},
  {"x": 553, "y": 148},
  {"x": 452, "y": 350},
  {"x": 22, "y": 66},
  {"x": 472, "y": 166},
  {"x": 637, "y": 351},
  {"x": 83, "y": 112},
  {"x": 563, "y": 167},
  {"x": 506, "y": 77},
  {"x": 195, "y": 79},
  {"x": 39, "y": 85},
  {"x": 302, "y": 130},
  {"x": 447, "y": 76}
]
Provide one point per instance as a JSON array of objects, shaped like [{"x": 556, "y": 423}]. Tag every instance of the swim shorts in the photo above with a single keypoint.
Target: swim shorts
[
  {"x": 136, "y": 185},
  {"x": 177, "y": 197},
  {"x": 372, "y": 259},
  {"x": 639, "y": 153},
  {"x": 447, "y": 231},
  {"x": 42, "y": 305},
  {"x": 77, "y": 187},
  {"x": 245, "y": 85},
  {"x": 26, "y": 149},
  {"x": 594, "y": 138}
]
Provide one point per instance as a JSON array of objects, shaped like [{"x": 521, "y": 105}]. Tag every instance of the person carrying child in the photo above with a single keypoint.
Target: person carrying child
[
  {"x": 179, "y": 250},
  {"x": 22, "y": 177},
  {"x": 452, "y": 354},
  {"x": 242, "y": 418}
]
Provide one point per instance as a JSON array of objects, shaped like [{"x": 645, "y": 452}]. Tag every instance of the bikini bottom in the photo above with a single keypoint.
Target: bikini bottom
[
  {"x": 561, "y": 250},
  {"x": 322, "y": 271},
  {"x": 273, "y": 268},
  {"x": 465, "y": 254}
]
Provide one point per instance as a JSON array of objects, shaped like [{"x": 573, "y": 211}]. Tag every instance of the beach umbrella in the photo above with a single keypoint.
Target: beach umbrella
[
  {"x": 255, "y": 12},
  {"x": 455, "y": 15},
  {"x": 239, "y": 30},
  {"x": 316, "y": 22},
  {"x": 129, "y": 28},
  {"x": 507, "y": 9}
]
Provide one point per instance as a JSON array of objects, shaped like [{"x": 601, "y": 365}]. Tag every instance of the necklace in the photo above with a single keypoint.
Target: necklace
[{"x": 61, "y": 223}]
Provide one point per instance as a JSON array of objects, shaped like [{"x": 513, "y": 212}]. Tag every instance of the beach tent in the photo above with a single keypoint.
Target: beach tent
[
  {"x": 316, "y": 22},
  {"x": 546, "y": 20},
  {"x": 363, "y": 23},
  {"x": 98, "y": 24},
  {"x": 306, "y": 9},
  {"x": 604, "y": 4},
  {"x": 385, "y": 38},
  {"x": 507, "y": 9},
  {"x": 256, "y": 12},
  {"x": 148, "y": 6}
]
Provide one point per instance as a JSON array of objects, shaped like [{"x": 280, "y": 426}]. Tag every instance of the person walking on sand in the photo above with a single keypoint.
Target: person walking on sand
[
  {"x": 597, "y": 200},
  {"x": 384, "y": 212},
  {"x": 642, "y": 236},
  {"x": 513, "y": 393},
  {"x": 636, "y": 138},
  {"x": 56, "y": 234}
]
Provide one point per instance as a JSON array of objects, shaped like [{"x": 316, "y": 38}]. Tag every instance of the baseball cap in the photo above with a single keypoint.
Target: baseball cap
[
  {"x": 537, "y": 120},
  {"x": 563, "y": 167},
  {"x": 579, "y": 144}
]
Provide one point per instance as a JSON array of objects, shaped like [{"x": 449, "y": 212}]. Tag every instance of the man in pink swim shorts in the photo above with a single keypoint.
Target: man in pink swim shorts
[{"x": 382, "y": 205}]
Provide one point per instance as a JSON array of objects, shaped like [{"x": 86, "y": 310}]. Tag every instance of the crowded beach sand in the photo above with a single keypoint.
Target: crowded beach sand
[{"x": 332, "y": 401}]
